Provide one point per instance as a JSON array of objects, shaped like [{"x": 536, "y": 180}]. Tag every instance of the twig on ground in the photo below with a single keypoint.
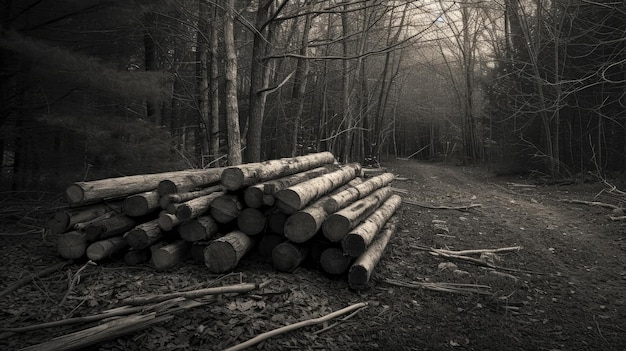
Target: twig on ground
[
  {"x": 465, "y": 289},
  {"x": 593, "y": 203},
  {"x": 25, "y": 280},
  {"x": 75, "y": 280},
  {"x": 257, "y": 339},
  {"x": 480, "y": 251},
  {"x": 441, "y": 207}
]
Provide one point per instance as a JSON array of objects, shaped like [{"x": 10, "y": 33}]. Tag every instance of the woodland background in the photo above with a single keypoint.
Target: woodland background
[{"x": 92, "y": 89}]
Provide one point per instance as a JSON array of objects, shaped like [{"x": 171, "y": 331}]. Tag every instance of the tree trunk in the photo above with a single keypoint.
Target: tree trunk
[
  {"x": 105, "y": 248},
  {"x": 201, "y": 228},
  {"x": 358, "y": 239},
  {"x": 226, "y": 208},
  {"x": 234, "y": 178},
  {"x": 362, "y": 268},
  {"x": 223, "y": 254},
  {"x": 214, "y": 120},
  {"x": 254, "y": 195},
  {"x": 170, "y": 255},
  {"x": 287, "y": 256},
  {"x": 300, "y": 81},
  {"x": 334, "y": 261},
  {"x": 202, "y": 72},
  {"x": 108, "y": 227},
  {"x": 304, "y": 224},
  {"x": 64, "y": 220},
  {"x": 338, "y": 224},
  {"x": 72, "y": 245},
  {"x": 298, "y": 196},
  {"x": 144, "y": 235},
  {"x": 189, "y": 180},
  {"x": 141, "y": 204},
  {"x": 230, "y": 91},
  {"x": 196, "y": 207},
  {"x": 252, "y": 221}
]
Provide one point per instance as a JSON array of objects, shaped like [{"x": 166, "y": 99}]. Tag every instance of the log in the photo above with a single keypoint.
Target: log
[
  {"x": 186, "y": 196},
  {"x": 197, "y": 250},
  {"x": 105, "y": 248},
  {"x": 109, "y": 227},
  {"x": 334, "y": 261},
  {"x": 255, "y": 195},
  {"x": 252, "y": 221},
  {"x": 340, "y": 200},
  {"x": 186, "y": 181},
  {"x": 287, "y": 256},
  {"x": 268, "y": 242},
  {"x": 338, "y": 224},
  {"x": 134, "y": 257},
  {"x": 201, "y": 228},
  {"x": 234, "y": 178},
  {"x": 296, "y": 197},
  {"x": 168, "y": 221},
  {"x": 223, "y": 254},
  {"x": 169, "y": 255},
  {"x": 225, "y": 208},
  {"x": 141, "y": 204},
  {"x": 196, "y": 207},
  {"x": 144, "y": 235},
  {"x": 304, "y": 224},
  {"x": 362, "y": 268},
  {"x": 65, "y": 220},
  {"x": 357, "y": 240},
  {"x": 276, "y": 222},
  {"x": 115, "y": 188},
  {"x": 72, "y": 245}
]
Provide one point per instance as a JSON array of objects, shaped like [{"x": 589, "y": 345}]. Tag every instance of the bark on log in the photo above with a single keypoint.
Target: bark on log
[
  {"x": 144, "y": 235},
  {"x": 201, "y": 228},
  {"x": 141, "y": 204},
  {"x": 334, "y": 261},
  {"x": 65, "y": 220},
  {"x": 135, "y": 257},
  {"x": 287, "y": 256},
  {"x": 105, "y": 248},
  {"x": 252, "y": 221},
  {"x": 362, "y": 268},
  {"x": 168, "y": 221},
  {"x": 276, "y": 222},
  {"x": 298, "y": 196},
  {"x": 72, "y": 245},
  {"x": 115, "y": 188},
  {"x": 226, "y": 208},
  {"x": 358, "y": 239},
  {"x": 340, "y": 200},
  {"x": 304, "y": 224},
  {"x": 196, "y": 207},
  {"x": 170, "y": 255},
  {"x": 268, "y": 242},
  {"x": 223, "y": 254},
  {"x": 109, "y": 227},
  {"x": 234, "y": 178},
  {"x": 186, "y": 196},
  {"x": 338, "y": 224},
  {"x": 186, "y": 181}
]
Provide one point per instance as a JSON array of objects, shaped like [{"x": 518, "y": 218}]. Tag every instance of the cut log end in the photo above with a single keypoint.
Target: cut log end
[
  {"x": 358, "y": 277},
  {"x": 72, "y": 245},
  {"x": 354, "y": 245},
  {"x": 251, "y": 221},
  {"x": 336, "y": 227},
  {"x": 300, "y": 227},
  {"x": 286, "y": 257},
  {"x": 289, "y": 201},
  {"x": 74, "y": 194},
  {"x": 334, "y": 261},
  {"x": 233, "y": 178},
  {"x": 136, "y": 206},
  {"x": 253, "y": 197},
  {"x": 220, "y": 257},
  {"x": 167, "y": 187}
]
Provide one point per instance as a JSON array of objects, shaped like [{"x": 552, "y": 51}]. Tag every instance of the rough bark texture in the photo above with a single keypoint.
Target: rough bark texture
[
  {"x": 358, "y": 239},
  {"x": 201, "y": 228},
  {"x": 223, "y": 254},
  {"x": 273, "y": 186},
  {"x": 64, "y": 220},
  {"x": 144, "y": 235},
  {"x": 362, "y": 268},
  {"x": 114, "y": 188},
  {"x": 226, "y": 208},
  {"x": 234, "y": 178},
  {"x": 184, "y": 182},
  {"x": 186, "y": 196},
  {"x": 287, "y": 256},
  {"x": 304, "y": 224},
  {"x": 196, "y": 207},
  {"x": 298, "y": 196},
  {"x": 170, "y": 255},
  {"x": 334, "y": 261},
  {"x": 338, "y": 201},
  {"x": 108, "y": 227},
  {"x": 105, "y": 248},
  {"x": 252, "y": 221},
  {"x": 141, "y": 204},
  {"x": 72, "y": 245},
  {"x": 338, "y": 224}
]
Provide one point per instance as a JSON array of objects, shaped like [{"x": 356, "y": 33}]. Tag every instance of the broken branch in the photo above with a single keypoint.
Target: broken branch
[{"x": 441, "y": 207}]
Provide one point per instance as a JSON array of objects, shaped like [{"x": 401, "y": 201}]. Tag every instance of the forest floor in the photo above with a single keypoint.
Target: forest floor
[{"x": 565, "y": 289}]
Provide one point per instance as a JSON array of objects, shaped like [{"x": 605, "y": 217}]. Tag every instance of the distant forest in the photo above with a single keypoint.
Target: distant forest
[{"x": 92, "y": 89}]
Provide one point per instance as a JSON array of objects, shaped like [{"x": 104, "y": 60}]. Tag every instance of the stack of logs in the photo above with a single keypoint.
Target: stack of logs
[{"x": 305, "y": 210}]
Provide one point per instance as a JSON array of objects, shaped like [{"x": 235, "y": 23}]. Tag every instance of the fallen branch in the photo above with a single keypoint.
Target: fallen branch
[
  {"x": 75, "y": 280},
  {"x": 237, "y": 288},
  {"x": 25, "y": 280},
  {"x": 465, "y": 289},
  {"x": 257, "y": 339},
  {"x": 593, "y": 203},
  {"x": 480, "y": 251},
  {"x": 618, "y": 218},
  {"x": 448, "y": 255},
  {"x": 441, "y": 207}
]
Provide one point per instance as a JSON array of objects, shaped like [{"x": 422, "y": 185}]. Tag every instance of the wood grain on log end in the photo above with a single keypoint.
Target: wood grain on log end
[
  {"x": 288, "y": 201},
  {"x": 300, "y": 227},
  {"x": 135, "y": 206},
  {"x": 72, "y": 245},
  {"x": 358, "y": 277},
  {"x": 232, "y": 178},
  {"x": 336, "y": 227},
  {"x": 253, "y": 196},
  {"x": 167, "y": 187},
  {"x": 251, "y": 221},
  {"x": 334, "y": 261},
  {"x": 74, "y": 194},
  {"x": 287, "y": 256},
  {"x": 353, "y": 245}
]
